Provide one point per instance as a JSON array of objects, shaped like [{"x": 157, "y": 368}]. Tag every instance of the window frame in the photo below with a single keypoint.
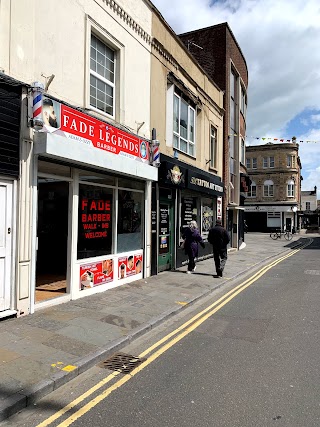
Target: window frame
[
  {"x": 213, "y": 146},
  {"x": 254, "y": 163},
  {"x": 268, "y": 188},
  {"x": 248, "y": 163},
  {"x": 308, "y": 206},
  {"x": 99, "y": 77},
  {"x": 290, "y": 188},
  {"x": 188, "y": 141},
  {"x": 252, "y": 193}
]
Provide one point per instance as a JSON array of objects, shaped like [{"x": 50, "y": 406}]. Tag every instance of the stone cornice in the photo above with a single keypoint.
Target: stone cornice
[{"x": 127, "y": 19}]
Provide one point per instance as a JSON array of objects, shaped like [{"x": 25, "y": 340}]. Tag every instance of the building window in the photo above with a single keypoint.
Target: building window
[
  {"x": 183, "y": 126},
  {"x": 268, "y": 188},
  {"x": 243, "y": 151},
  {"x": 213, "y": 146},
  {"x": 289, "y": 161},
  {"x": 130, "y": 235},
  {"x": 254, "y": 163},
  {"x": 308, "y": 206},
  {"x": 102, "y": 76},
  {"x": 243, "y": 105},
  {"x": 248, "y": 163},
  {"x": 252, "y": 190},
  {"x": 290, "y": 188},
  {"x": 271, "y": 162},
  {"x": 268, "y": 162},
  {"x": 265, "y": 162}
]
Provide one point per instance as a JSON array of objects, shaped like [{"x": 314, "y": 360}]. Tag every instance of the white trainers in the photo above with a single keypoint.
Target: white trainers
[
  {"x": 194, "y": 268},
  {"x": 189, "y": 272}
]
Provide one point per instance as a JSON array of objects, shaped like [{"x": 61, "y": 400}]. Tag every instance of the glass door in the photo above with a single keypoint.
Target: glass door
[{"x": 166, "y": 236}]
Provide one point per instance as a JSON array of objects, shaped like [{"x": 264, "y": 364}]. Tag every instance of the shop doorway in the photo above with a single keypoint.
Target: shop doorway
[
  {"x": 165, "y": 259},
  {"x": 6, "y": 203},
  {"x": 52, "y": 239}
]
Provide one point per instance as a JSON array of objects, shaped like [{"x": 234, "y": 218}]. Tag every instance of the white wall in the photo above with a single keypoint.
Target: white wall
[
  {"x": 46, "y": 37},
  {"x": 313, "y": 202}
]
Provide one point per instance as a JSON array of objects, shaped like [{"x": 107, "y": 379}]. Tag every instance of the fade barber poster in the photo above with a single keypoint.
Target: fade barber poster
[
  {"x": 129, "y": 265},
  {"x": 96, "y": 273}
]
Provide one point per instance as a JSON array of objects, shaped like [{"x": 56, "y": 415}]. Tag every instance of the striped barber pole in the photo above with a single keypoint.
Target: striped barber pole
[
  {"x": 156, "y": 153},
  {"x": 37, "y": 104}
]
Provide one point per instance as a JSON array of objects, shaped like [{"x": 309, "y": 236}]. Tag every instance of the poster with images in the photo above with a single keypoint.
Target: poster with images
[
  {"x": 130, "y": 265},
  {"x": 96, "y": 273}
]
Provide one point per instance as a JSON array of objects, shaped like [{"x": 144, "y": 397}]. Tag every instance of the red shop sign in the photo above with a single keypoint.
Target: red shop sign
[{"x": 72, "y": 124}]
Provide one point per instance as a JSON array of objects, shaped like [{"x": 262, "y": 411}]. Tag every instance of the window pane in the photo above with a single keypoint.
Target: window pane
[
  {"x": 183, "y": 145},
  {"x": 248, "y": 163},
  {"x": 191, "y": 136},
  {"x": 129, "y": 221},
  {"x": 191, "y": 149},
  {"x": 101, "y": 95},
  {"x": 175, "y": 141},
  {"x": 176, "y": 114},
  {"x": 271, "y": 162},
  {"x": 184, "y": 120},
  {"x": 265, "y": 162},
  {"x": 212, "y": 146},
  {"x": 94, "y": 221},
  {"x": 254, "y": 163}
]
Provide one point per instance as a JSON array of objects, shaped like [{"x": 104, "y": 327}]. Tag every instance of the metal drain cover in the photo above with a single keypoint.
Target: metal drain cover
[{"x": 121, "y": 362}]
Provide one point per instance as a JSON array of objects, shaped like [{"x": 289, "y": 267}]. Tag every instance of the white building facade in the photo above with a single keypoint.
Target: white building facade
[{"x": 80, "y": 202}]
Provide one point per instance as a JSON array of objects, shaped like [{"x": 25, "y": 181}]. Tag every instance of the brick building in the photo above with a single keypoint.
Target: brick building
[
  {"x": 309, "y": 209},
  {"x": 218, "y": 52},
  {"x": 273, "y": 197}
]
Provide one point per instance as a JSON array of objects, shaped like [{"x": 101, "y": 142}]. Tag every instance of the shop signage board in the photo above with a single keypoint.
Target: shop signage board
[{"x": 78, "y": 127}]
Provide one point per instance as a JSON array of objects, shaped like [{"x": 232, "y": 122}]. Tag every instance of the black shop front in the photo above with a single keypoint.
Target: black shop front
[{"x": 183, "y": 193}]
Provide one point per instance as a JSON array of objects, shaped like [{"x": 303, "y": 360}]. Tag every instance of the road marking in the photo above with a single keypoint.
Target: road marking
[{"x": 186, "y": 328}]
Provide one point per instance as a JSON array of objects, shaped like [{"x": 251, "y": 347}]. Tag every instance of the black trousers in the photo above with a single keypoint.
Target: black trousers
[{"x": 220, "y": 257}]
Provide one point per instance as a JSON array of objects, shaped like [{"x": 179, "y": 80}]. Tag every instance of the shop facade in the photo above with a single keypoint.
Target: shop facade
[
  {"x": 183, "y": 193},
  {"x": 91, "y": 200},
  {"x": 10, "y": 116}
]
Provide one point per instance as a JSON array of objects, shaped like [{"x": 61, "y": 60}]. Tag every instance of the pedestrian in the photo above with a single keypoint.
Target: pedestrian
[
  {"x": 219, "y": 239},
  {"x": 192, "y": 238}
]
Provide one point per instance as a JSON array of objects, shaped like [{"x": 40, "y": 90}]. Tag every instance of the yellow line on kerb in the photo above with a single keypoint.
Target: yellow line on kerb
[{"x": 180, "y": 333}]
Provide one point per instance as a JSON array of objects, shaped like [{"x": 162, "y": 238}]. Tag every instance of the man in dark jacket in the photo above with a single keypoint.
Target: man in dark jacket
[{"x": 219, "y": 238}]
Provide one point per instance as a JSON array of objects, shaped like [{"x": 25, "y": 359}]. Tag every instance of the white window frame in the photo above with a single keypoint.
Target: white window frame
[
  {"x": 213, "y": 146},
  {"x": 252, "y": 190},
  {"x": 188, "y": 141},
  {"x": 242, "y": 151},
  {"x": 290, "y": 188},
  {"x": 271, "y": 162},
  {"x": 308, "y": 206},
  {"x": 254, "y": 163},
  {"x": 268, "y": 188},
  {"x": 265, "y": 162},
  {"x": 268, "y": 162},
  {"x": 248, "y": 163}
]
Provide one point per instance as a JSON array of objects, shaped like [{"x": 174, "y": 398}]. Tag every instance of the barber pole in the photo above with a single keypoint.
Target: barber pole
[
  {"x": 155, "y": 153},
  {"x": 37, "y": 105}
]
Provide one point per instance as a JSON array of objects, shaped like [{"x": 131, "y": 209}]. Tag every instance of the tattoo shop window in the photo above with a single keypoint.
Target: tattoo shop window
[
  {"x": 130, "y": 214},
  {"x": 102, "y": 76},
  {"x": 183, "y": 126}
]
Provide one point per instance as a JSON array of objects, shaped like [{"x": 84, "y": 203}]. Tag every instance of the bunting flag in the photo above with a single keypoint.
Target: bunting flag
[{"x": 269, "y": 138}]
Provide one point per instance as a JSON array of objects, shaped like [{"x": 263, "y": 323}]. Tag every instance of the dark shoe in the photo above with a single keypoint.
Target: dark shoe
[{"x": 219, "y": 273}]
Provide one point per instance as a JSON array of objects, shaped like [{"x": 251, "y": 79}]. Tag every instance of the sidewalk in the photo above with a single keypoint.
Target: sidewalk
[{"x": 41, "y": 352}]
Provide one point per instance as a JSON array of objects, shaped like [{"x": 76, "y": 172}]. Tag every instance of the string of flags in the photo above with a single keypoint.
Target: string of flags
[{"x": 269, "y": 139}]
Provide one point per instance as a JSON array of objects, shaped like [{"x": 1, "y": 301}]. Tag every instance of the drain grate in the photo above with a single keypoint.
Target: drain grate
[{"x": 121, "y": 362}]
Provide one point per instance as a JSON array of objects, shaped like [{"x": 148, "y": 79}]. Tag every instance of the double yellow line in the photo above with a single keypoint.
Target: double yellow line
[{"x": 162, "y": 345}]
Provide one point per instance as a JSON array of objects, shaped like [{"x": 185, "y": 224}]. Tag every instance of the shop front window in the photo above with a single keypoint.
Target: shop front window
[
  {"x": 207, "y": 217},
  {"x": 130, "y": 236},
  {"x": 94, "y": 221}
]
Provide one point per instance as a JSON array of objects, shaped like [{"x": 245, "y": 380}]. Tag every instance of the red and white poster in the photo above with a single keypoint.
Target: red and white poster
[
  {"x": 96, "y": 273},
  {"x": 219, "y": 208},
  {"x": 129, "y": 265},
  {"x": 76, "y": 126}
]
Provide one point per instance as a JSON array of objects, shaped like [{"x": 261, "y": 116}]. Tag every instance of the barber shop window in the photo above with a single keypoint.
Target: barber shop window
[
  {"x": 94, "y": 221},
  {"x": 130, "y": 217},
  {"x": 183, "y": 125}
]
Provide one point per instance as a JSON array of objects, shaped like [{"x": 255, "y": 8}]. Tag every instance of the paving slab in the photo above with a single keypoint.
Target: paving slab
[{"x": 42, "y": 351}]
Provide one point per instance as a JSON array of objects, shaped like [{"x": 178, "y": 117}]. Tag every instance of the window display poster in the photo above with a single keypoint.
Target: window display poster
[
  {"x": 188, "y": 210},
  {"x": 129, "y": 265},
  {"x": 96, "y": 273}
]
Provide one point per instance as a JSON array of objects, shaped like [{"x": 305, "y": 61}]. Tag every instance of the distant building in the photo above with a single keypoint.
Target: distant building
[
  {"x": 309, "y": 209},
  {"x": 273, "y": 198}
]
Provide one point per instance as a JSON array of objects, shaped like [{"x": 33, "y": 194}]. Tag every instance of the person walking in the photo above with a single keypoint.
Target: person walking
[
  {"x": 219, "y": 239},
  {"x": 192, "y": 238}
]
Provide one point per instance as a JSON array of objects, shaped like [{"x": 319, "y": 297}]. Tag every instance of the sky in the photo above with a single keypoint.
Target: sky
[{"x": 280, "y": 40}]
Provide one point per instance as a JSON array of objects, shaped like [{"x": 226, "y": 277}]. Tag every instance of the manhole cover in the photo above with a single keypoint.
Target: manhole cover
[{"x": 121, "y": 362}]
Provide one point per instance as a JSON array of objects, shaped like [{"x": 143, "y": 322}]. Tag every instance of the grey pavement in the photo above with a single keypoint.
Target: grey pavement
[{"x": 42, "y": 351}]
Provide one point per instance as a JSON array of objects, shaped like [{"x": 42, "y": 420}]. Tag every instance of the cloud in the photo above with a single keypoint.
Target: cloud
[{"x": 280, "y": 41}]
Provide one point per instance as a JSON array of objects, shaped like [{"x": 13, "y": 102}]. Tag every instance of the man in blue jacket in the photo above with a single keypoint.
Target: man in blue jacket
[{"x": 219, "y": 239}]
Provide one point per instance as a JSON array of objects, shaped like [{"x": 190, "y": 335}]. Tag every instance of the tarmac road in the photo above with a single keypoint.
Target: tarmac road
[{"x": 250, "y": 358}]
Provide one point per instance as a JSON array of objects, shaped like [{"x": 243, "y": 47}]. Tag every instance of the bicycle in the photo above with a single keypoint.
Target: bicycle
[{"x": 278, "y": 233}]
